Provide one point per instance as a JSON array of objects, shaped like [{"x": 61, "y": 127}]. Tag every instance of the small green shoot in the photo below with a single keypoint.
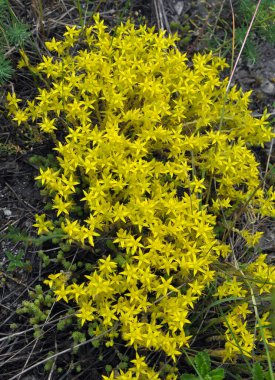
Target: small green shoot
[
  {"x": 6, "y": 69},
  {"x": 13, "y": 34},
  {"x": 16, "y": 261}
]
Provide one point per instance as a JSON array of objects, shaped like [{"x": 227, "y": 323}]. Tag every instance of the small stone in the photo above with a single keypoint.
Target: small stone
[
  {"x": 7, "y": 212},
  {"x": 268, "y": 88},
  {"x": 178, "y": 7}
]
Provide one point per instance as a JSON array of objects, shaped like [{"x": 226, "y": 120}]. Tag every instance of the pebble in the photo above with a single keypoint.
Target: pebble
[
  {"x": 7, "y": 212},
  {"x": 268, "y": 88}
]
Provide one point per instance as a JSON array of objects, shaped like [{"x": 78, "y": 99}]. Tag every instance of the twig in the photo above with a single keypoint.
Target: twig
[
  {"x": 60, "y": 353},
  {"x": 19, "y": 199},
  {"x": 162, "y": 20},
  {"x": 243, "y": 45}
]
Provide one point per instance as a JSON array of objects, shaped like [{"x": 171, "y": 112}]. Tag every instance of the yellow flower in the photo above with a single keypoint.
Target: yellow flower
[
  {"x": 47, "y": 125},
  {"x": 20, "y": 116},
  {"x": 62, "y": 293},
  {"x": 86, "y": 312},
  {"x": 13, "y": 100},
  {"x": 61, "y": 206},
  {"x": 197, "y": 185},
  {"x": 54, "y": 279},
  {"x": 252, "y": 239},
  {"x": 43, "y": 225},
  {"x": 165, "y": 287},
  {"x": 107, "y": 266},
  {"x": 108, "y": 314},
  {"x": 77, "y": 291},
  {"x": 140, "y": 365},
  {"x": 232, "y": 287},
  {"x": 54, "y": 45}
]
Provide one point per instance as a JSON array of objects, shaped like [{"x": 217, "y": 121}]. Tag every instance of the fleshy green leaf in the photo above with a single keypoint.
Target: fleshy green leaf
[
  {"x": 217, "y": 374},
  {"x": 258, "y": 373},
  {"x": 187, "y": 376},
  {"x": 202, "y": 363}
]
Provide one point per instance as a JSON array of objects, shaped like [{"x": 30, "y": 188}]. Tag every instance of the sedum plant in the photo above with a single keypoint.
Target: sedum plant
[{"x": 152, "y": 152}]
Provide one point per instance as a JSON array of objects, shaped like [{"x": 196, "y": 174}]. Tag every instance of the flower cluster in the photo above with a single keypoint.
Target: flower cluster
[
  {"x": 242, "y": 339},
  {"x": 240, "y": 331},
  {"x": 140, "y": 370},
  {"x": 150, "y": 149},
  {"x": 263, "y": 274}
]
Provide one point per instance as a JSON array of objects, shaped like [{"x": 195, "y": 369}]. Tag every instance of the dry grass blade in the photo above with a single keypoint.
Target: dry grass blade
[
  {"x": 243, "y": 44},
  {"x": 161, "y": 16},
  {"x": 58, "y": 354}
]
